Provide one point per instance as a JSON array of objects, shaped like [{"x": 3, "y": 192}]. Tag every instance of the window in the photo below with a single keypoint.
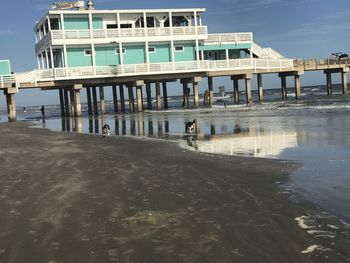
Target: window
[
  {"x": 179, "y": 48},
  {"x": 117, "y": 50},
  {"x": 112, "y": 26},
  {"x": 151, "y": 50},
  {"x": 87, "y": 52}
]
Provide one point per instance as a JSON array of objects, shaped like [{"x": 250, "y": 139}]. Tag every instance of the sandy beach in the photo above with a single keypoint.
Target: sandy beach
[{"x": 82, "y": 198}]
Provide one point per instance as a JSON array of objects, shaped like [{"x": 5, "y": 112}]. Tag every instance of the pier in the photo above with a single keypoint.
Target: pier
[{"x": 140, "y": 52}]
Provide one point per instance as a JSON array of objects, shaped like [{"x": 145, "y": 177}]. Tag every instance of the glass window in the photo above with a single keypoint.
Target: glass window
[
  {"x": 151, "y": 50},
  {"x": 117, "y": 50},
  {"x": 87, "y": 52},
  {"x": 179, "y": 48}
]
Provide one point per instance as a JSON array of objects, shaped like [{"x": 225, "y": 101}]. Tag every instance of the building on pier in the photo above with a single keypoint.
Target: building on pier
[{"x": 139, "y": 41}]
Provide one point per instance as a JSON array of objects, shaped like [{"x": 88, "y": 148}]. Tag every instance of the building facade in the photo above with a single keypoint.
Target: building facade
[{"x": 93, "y": 38}]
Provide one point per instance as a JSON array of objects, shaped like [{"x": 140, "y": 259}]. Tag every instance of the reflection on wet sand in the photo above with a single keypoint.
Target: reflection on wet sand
[
  {"x": 246, "y": 144},
  {"x": 230, "y": 137}
]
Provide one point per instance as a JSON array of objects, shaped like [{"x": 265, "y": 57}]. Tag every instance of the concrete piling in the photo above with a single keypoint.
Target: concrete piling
[
  {"x": 236, "y": 91},
  {"x": 94, "y": 98},
  {"x": 122, "y": 98},
  {"x": 165, "y": 95},
  {"x": 115, "y": 98},
  {"x": 139, "y": 98},
  {"x": 297, "y": 86},
  {"x": 66, "y": 102},
  {"x": 88, "y": 100},
  {"x": 11, "y": 104},
  {"x": 131, "y": 98},
  {"x": 344, "y": 79},
  {"x": 149, "y": 95},
  {"x": 196, "y": 91},
  {"x": 102, "y": 100},
  {"x": 71, "y": 96},
  {"x": 185, "y": 102},
  {"x": 260, "y": 88},
  {"x": 60, "y": 91},
  {"x": 284, "y": 87},
  {"x": 211, "y": 90},
  {"x": 248, "y": 88},
  {"x": 77, "y": 99},
  {"x": 329, "y": 83},
  {"x": 159, "y": 103}
]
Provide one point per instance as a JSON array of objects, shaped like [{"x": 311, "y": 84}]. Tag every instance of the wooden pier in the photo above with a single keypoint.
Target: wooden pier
[{"x": 69, "y": 88}]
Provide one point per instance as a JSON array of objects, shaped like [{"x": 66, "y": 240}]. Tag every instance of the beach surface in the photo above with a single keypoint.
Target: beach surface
[{"x": 82, "y": 198}]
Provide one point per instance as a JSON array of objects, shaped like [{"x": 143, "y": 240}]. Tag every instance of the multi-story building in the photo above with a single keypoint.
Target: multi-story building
[{"x": 150, "y": 39}]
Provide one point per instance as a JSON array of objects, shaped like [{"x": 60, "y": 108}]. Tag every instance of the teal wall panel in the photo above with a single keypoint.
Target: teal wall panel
[
  {"x": 76, "y": 23},
  {"x": 187, "y": 55},
  {"x": 134, "y": 54},
  {"x": 5, "y": 67},
  {"x": 97, "y": 23},
  {"x": 224, "y": 46},
  {"x": 162, "y": 54},
  {"x": 106, "y": 56},
  {"x": 77, "y": 58}
]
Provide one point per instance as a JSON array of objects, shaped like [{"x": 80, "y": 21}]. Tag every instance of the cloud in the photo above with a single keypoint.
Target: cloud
[
  {"x": 229, "y": 6},
  {"x": 7, "y": 32}
]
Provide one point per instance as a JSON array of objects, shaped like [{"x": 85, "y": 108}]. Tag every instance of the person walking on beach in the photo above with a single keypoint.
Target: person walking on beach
[{"x": 42, "y": 111}]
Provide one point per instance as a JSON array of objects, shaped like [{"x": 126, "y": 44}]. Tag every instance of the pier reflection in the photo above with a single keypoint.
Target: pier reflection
[{"x": 230, "y": 137}]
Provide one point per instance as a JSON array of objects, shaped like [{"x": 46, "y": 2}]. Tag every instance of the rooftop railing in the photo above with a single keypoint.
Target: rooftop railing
[{"x": 231, "y": 37}]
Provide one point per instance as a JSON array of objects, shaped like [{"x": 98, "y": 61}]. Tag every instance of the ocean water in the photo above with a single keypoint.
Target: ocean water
[{"x": 313, "y": 131}]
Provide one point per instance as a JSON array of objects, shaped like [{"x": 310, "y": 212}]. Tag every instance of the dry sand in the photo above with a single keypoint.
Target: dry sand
[{"x": 82, "y": 198}]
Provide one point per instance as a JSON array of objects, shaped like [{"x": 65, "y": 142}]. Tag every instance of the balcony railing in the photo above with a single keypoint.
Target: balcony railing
[
  {"x": 234, "y": 37},
  {"x": 129, "y": 32},
  {"x": 156, "y": 68}
]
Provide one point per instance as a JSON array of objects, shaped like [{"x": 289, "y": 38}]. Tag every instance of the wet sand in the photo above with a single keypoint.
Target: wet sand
[{"x": 82, "y": 198}]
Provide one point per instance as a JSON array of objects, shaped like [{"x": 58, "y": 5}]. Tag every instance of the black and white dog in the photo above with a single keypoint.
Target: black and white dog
[
  {"x": 106, "y": 130},
  {"x": 191, "y": 126}
]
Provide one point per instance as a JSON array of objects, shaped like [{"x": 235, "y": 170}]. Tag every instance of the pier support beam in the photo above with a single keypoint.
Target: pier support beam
[
  {"x": 165, "y": 95},
  {"x": 60, "y": 91},
  {"x": 296, "y": 75},
  {"x": 185, "y": 101},
  {"x": 115, "y": 98},
  {"x": 88, "y": 100},
  {"x": 139, "y": 85},
  {"x": 122, "y": 98},
  {"x": 102, "y": 100},
  {"x": 149, "y": 95},
  {"x": 211, "y": 90},
  {"x": 159, "y": 103},
  {"x": 329, "y": 83},
  {"x": 236, "y": 91},
  {"x": 77, "y": 99},
  {"x": 297, "y": 86},
  {"x": 71, "y": 96},
  {"x": 66, "y": 103},
  {"x": 345, "y": 81},
  {"x": 94, "y": 96},
  {"x": 196, "y": 91},
  {"x": 248, "y": 89},
  {"x": 260, "y": 88},
  {"x": 284, "y": 87},
  {"x": 11, "y": 104},
  {"x": 131, "y": 98}
]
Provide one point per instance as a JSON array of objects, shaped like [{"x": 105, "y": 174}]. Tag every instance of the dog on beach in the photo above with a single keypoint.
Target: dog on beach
[
  {"x": 106, "y": 130},
  {"x": 191, "y": 126}
]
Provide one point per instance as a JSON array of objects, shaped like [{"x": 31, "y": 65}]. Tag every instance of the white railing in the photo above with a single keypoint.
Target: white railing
[
  {"x": 158, "y": 68},
  {"x": 7, "y": 80},
  {"x": 129, "y": 32},
  {"x": 231, "y": 37}
]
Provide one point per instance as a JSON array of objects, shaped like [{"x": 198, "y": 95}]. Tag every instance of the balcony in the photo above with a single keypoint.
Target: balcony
[
  {"x": 229, "y": 38},
  {"x": 125, "y": 35}
]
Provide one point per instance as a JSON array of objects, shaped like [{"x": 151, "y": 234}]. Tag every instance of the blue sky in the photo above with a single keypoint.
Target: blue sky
[{"x": 295, "y": 28}]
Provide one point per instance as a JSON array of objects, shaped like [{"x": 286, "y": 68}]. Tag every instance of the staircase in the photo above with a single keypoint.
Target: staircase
[{"x": 261, "y": 52}]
